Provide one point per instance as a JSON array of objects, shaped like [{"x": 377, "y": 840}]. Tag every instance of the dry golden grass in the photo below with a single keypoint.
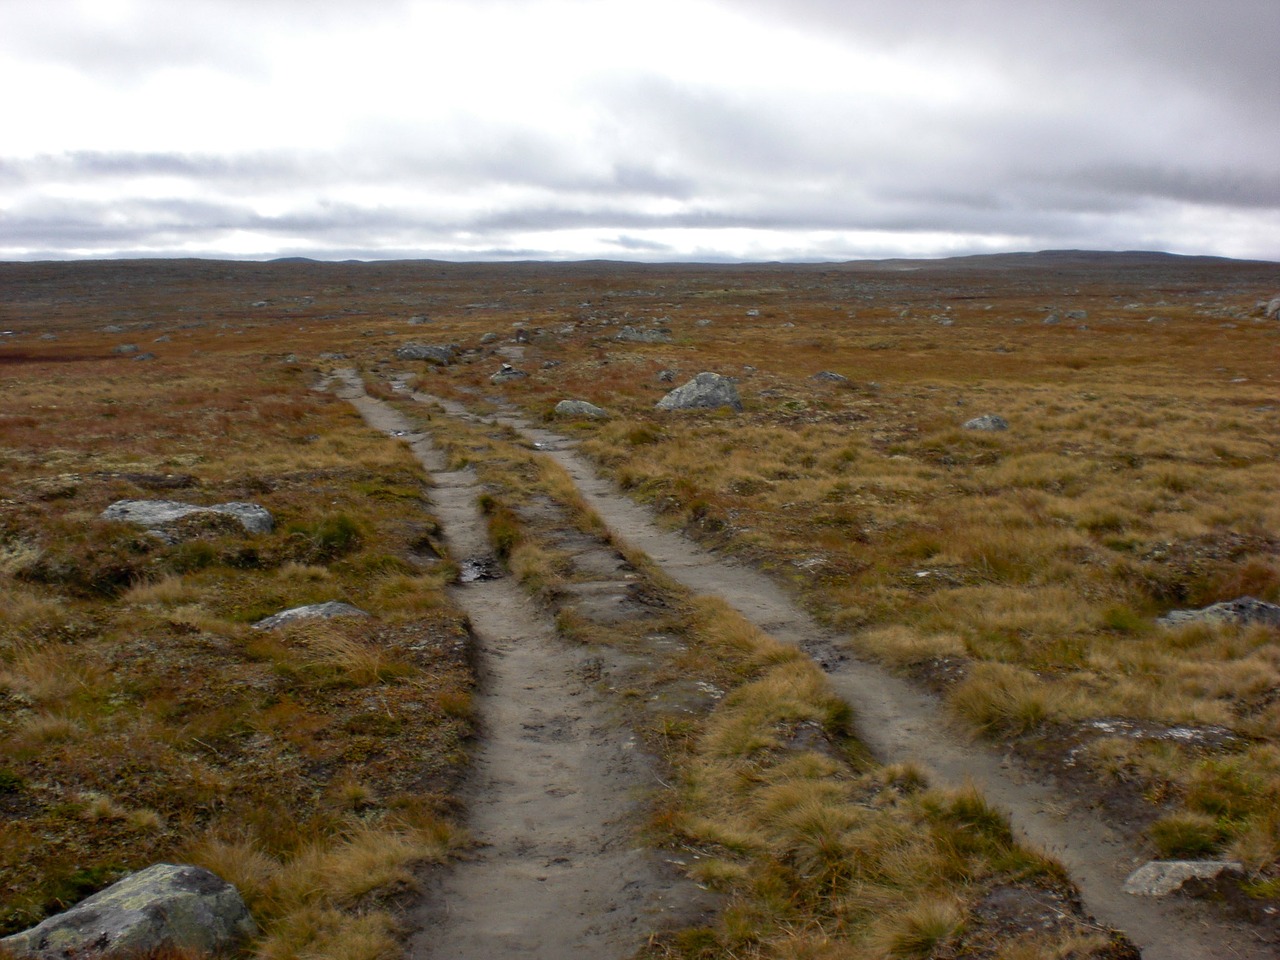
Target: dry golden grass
[
  {"x": 143, "y": 719},
  {"x": 1138, "y": 475}
]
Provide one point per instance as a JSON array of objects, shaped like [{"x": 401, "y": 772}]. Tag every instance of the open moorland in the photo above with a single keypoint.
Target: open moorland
[{"x": 1017, "y": 577}]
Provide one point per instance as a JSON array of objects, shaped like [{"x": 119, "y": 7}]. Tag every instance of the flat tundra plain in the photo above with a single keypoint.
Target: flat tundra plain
[{"x": 948, "y": 717}]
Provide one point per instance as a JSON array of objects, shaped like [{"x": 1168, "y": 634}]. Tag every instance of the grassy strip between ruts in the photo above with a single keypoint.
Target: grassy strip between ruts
[{"x": 819, "y": 851}]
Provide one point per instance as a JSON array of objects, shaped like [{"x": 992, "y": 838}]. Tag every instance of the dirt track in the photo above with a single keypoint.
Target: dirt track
[
  {"x": 590, "y": 901},
  {"x": 557, "y": 779},
  {"x": 900, "y": 723}
]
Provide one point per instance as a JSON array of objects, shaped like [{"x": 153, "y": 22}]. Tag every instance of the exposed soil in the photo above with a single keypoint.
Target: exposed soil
[
  {"x": 557, "y": 781},
  {"x": 900, "y": 723}
]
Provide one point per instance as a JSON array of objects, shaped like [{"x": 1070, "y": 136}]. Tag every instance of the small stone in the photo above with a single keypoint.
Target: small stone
[
  {"x": 987, "y": 422},
  {"x": 126, "y": 348},
  {"x": 830, "y": 376},
  {"x": 489, "y": 338},
  {"x": 666, "y": 376}
]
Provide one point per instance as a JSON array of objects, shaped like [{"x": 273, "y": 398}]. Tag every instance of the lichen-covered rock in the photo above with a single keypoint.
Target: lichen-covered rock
[
  {"x": 830, "y": 376},
  {"x": 641, "y": 335},
  {"x": 165, "y": 906},
  {"x": 507, "y": 372},
  {"x": 311, "y": 611},
  {"x": 442, "y": 353},
  {"x": 1244, "y": 610},
  {"x": 153, "y": 514},
  {"x": 987, "y": 422},
  {"x": 580, "y": 408},
  {"x": 706, "y": 391},
  {"x": 1159, "y": 878}
]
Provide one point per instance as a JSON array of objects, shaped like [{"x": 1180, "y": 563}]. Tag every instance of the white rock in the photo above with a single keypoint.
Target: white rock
[{"x": 1159, "y": 878}]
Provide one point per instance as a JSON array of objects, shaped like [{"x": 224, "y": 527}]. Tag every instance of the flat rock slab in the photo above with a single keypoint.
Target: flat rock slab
[
  {"x": 1159, "y": 878},
  {"x": 312, "y": 611},
  {"x": 162, "y": 907},
  {"x": 158, "y": 513},
  {"x": 1245, "y": 610},
  {"x": 987, "y": 422}
]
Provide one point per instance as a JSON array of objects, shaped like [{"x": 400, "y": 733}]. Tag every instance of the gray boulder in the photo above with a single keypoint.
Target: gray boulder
[
  {"x": 508, "y": 372},
  {"x": 706, "y": 391},
  {"x": 125, "y": 348},
  {"x": 489, "y": 338},
  {"x": 830, "y": 376},
  {"x": 987, "y": 422},
  {"x": 1272, "y": 308},
  {"x": 666, "y": 376},
  {"x": 312, "y": 611},
  {"x": 1243, "y": 611},
  {"x": 1159, "y": 878},
  {"x": 580, "y": 408},
  {"x": 154, "y": 514},
  {"x": 162, "y": 907},
  {"x": 442, "y": 353},
  {"x": 642, "y": 335}
]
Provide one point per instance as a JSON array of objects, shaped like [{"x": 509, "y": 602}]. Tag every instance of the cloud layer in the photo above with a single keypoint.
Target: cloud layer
[{"x": 671, "y": 129}]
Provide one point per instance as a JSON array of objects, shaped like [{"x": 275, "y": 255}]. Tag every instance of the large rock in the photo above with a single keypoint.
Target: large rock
[
  {"x": 1243, "y": 611},
  {"x": 161, "y": 907},
  {"x": 987, "y": 422},
  {"x": 1159, "y": 878},
  {"x": 642, "y": 335},
  {"x": 580, "y": 408},
  {"x": 1272, "y": 308},
  {"x": 442, "y": 353},
  {"x": 154, "y": 514},
  {"x": 507, "y": 373},
  {"x": 312, "y": 611},
  {"x": 706, "y": 391}
]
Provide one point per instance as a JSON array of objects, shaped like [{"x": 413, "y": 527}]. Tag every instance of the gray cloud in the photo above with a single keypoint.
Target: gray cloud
[{"x": 1100, "y": 125}]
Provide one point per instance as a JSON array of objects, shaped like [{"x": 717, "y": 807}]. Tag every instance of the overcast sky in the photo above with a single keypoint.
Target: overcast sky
[{"x": 637, "y": 129}]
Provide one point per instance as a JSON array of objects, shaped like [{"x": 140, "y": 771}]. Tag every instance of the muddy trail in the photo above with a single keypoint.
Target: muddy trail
[
  {"x": 898, "y": 722},
  {"x": 558, "y": 780}
]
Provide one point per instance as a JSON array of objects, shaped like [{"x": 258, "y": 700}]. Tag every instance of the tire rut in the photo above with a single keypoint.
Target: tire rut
[
  {"x": 552, "y": 800},
  {"x": 900, "y": 723}
]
